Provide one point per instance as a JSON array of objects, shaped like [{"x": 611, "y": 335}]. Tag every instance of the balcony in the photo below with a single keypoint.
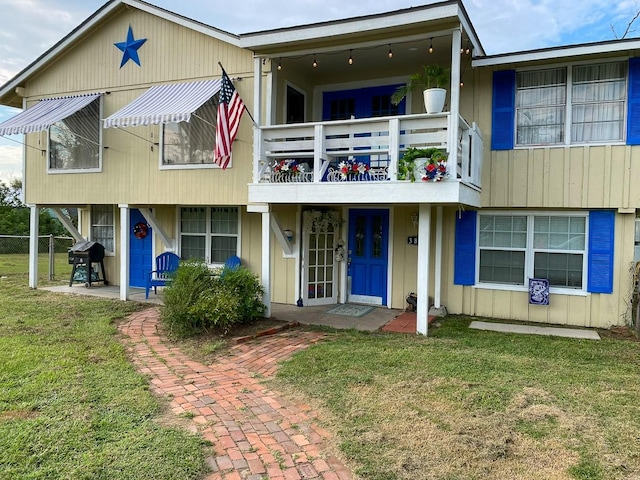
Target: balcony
[{"x": 319, "y": 147}]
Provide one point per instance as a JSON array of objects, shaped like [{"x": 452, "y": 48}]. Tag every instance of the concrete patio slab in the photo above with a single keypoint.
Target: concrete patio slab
[{"x": 531, "y": 330}]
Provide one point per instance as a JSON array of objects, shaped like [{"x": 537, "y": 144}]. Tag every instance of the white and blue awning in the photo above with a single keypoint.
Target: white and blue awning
[
  {"x": 165, "y": 104},
  {"x": 45, "y": 113}
]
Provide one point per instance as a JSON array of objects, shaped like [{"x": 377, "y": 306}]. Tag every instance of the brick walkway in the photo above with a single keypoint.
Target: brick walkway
[{"x": 256, "y": 433}]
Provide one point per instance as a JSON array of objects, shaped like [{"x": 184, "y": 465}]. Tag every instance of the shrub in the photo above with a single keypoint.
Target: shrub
[
  {"x": 190, "y": 282},
  {"x": 197, "y": 300},
  {"x": 244, "y": 284}
]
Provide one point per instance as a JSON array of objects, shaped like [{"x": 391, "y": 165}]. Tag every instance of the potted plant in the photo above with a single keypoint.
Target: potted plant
[
  {"x": 422, "y": 164},
  {"x": 431, "y": 79}
]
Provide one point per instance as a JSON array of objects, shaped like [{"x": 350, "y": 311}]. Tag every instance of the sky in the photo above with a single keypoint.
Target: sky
[{"x": 30, "y": 27}]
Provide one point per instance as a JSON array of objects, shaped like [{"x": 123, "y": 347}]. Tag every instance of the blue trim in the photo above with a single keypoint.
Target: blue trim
[
  {"x": 503, "y": 110},
  {"x": 600, "y": 255},
  {"x": 464, "y": 263},
  {"x": 633, "y": 103}
]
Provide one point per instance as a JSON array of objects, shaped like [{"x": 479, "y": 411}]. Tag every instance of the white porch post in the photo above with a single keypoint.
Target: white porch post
[
  {"x": 424, "y": 234},
  {"x": 125, "y": 216},
  {"x": 34, "y": 225},
  {"x": 438, "y": 265},
  {"x": 454, "y": 118},
  {"x": 257, "y": 115},
  {"x": 266, "y": 260}
]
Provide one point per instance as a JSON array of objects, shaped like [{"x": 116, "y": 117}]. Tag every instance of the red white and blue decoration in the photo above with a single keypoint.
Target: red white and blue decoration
[
  {"x": 130, "y": 48},
  {"x": 539, "y": 291}
]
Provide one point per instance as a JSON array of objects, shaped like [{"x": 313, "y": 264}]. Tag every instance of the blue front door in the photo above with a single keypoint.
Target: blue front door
[
  {"x": 368, "y": 257},
  {"x": 140, "y": 252}
]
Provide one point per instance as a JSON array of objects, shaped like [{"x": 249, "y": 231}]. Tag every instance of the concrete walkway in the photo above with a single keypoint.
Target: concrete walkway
[
  {"x": 255, "y": 432},
  {"x": 533, "y": 330}
]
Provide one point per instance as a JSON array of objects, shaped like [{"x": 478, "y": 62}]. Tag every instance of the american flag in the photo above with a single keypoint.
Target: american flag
[{"x": 230, "y": 110}]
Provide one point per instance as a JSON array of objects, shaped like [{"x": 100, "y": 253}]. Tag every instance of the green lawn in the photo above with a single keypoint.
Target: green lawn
[
  {"x": 18, "y": 265},
  {"x": 467, "y": 404},
  {"x": 71, "y": 405}
]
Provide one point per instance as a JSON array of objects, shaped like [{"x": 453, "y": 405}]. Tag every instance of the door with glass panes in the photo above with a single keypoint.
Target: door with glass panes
[{"x": 319, "y": 286}]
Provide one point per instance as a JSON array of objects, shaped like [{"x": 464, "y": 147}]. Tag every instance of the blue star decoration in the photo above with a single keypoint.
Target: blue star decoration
[{"x": 130, "y": 48}]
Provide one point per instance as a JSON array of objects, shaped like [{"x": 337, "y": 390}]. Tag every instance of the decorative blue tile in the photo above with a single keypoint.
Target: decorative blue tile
[{"x": 538, "y": 291}]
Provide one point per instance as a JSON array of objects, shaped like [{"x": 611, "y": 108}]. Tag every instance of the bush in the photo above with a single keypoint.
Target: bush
[
  {"x": 197, "y": 301},
  {"x": 244, "y": 284}
]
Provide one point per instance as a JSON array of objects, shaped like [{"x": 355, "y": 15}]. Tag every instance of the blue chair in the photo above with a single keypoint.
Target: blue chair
[
  {"x": 232, "y": 263},
  {"x": 166, "y": 264}
]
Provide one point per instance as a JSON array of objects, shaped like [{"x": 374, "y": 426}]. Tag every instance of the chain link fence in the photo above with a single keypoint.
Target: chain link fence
[{"x": 52, "y": 254}]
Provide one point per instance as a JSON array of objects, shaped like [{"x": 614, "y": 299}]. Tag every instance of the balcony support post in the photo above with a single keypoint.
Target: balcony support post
[
  {"x": 424, "y": 235},
  {"x": 454, "y": 118},
  {"x": 438, "y": 265},
  {"x": 34, "y": 225}
]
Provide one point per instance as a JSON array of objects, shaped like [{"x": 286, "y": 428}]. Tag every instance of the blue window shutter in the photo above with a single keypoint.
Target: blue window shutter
[
  {"x": 464, "y": 269},
  {"x": 600, "y": 256},
  {"x": 503, "y": 110},
  {"x": 633, "y": 103}
]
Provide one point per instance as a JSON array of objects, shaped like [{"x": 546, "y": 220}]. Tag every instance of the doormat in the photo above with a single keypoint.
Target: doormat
[{"x": 351, "y": 310}]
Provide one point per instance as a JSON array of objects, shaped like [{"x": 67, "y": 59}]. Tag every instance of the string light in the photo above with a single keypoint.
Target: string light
[
  {"x": 350, "y": 57},
  {"x": 390, "y": 54},
  {"x": 315, "y": 63},
  {"x": 431, "y": 45},
  {"x": 280, "y": 64}
]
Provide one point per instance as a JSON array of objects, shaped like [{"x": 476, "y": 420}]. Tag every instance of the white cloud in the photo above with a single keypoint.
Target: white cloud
[{"x": 10, "y": 163}]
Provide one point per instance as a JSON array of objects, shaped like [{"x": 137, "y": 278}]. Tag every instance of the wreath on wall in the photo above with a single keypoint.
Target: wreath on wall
[{"x": 140, "y": 230}]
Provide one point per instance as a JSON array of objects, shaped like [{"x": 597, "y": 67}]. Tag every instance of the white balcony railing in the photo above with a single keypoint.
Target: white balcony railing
[{"x": 318, "y": 147}]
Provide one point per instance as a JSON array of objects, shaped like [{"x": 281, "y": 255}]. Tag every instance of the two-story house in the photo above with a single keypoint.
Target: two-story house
[{"x": 120, "y": 118}]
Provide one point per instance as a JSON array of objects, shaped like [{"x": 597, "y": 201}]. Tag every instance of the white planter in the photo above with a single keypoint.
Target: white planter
[
  {"x": 418, "y": 168},
  {"x": 434, "y": 99}
]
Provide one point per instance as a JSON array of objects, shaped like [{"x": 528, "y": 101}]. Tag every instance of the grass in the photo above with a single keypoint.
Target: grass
[
  {"x": 467, "y": 404},
  {"x": 71, "y": 405},
  {"x": 17, "y": 265}
]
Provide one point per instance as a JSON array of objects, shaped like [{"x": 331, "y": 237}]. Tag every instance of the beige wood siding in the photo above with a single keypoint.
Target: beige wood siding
[
  {"x": 588, "y": 310},
  {"x": 130, "y": 165},
  {"x": 583, "y": 176}
]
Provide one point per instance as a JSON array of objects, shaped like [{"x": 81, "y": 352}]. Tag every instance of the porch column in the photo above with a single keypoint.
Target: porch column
[
  {"x": 438, "y": 265},
  {"x": 266, "y": 260},
  {"x": 454, "y": 118},
  {"x": 34, "y": 225},
  {"x": 257, "y": 115},
  {"x": 125, "y": 217},
  {"x": 424, "y": 234}
]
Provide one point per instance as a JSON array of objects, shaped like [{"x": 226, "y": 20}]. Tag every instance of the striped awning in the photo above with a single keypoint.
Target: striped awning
[
  {"x": 165, "y": 104},
  {"x": 45, "y": 113}
]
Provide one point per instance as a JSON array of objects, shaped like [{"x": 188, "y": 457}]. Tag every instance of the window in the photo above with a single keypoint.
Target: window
[
  {"x": 513, "y": 248},
  {"x": 102, "y": 226},
  {"x": 588, "y": 101},
  {"x": 74, "y": 143},
  {"x": 193, "y": 142},
  {"x": 209, "y": 233}
]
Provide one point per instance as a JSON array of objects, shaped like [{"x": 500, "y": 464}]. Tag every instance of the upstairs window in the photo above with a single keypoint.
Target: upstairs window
[
  {"x": 74, "y": 143},
  {"x": 576, "y": 104},
  {"x": 193, "y": 142}
]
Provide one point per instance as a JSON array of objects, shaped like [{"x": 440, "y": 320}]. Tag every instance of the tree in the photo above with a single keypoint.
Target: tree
[
  {"x": 14, "y": 215},
  {"x": 629, "y": 28}
]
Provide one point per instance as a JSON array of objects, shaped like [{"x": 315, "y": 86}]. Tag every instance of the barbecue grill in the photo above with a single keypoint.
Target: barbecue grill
[{"x": 82, "y": 256}]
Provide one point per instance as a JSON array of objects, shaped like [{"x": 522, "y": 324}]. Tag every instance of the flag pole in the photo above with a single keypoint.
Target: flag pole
[{"x": 255, "y": 124}]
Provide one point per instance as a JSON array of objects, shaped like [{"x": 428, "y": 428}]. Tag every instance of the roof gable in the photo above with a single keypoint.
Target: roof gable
[{"x": 8, "y": 95}]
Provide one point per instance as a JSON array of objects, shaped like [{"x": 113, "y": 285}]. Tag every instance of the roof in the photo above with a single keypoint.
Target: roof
[
  {"x": 560, "y": 52},
  {"x": 397, "y": 21}
]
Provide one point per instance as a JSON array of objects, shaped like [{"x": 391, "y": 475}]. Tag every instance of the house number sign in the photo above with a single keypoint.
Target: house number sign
[{"x": 412, "y": 240}]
